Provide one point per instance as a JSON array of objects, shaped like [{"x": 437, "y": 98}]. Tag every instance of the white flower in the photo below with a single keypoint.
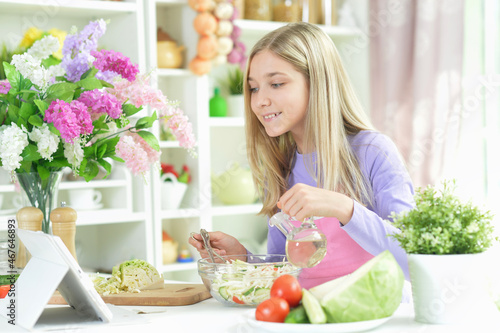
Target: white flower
[
  {"x": 46, "y": 140},
  {"x": 56, "y": 70},
  {"x": 44, "y": 47},
  {"x": 13, "y": 140},
  {"x": 31, "y": 68},
  {"x": 74, "y": 153}
]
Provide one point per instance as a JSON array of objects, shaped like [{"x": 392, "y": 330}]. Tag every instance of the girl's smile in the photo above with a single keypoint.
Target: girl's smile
[{"x": 279, "y": 95}]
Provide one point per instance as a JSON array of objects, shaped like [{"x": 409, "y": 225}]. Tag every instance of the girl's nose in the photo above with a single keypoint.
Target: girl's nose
[{"x": 263, "y": 101}]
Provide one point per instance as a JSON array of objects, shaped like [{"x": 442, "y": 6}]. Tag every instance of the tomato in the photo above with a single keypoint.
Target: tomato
[
  {"x": 4, "y": 290},
  {"x": 237, "y": 300},
  {"x": 288, "y": 288},
  {"x": 274, "y": 309}
]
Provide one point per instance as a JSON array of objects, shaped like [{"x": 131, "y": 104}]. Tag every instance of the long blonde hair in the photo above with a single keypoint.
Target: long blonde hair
[{"x": 334, "y": 113}]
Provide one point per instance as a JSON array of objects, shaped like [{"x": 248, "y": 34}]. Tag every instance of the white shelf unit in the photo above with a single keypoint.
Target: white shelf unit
[
  {"x": 221, "y": 141},
  {"x": 122, "y": 228}
]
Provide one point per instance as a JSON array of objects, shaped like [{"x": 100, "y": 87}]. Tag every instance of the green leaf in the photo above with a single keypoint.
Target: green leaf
[
  {"x": 90, "y": 73},
  {"x": 62, "y": 90},
  {"x": 50, "y": 61},
  {"x": 91, "y": 170},
  {"x": 146, "y": 122},
  {"x": 106, "y": 84},
  {"x": 106, "y": 165},
  {"x": 116, "y": 158},
  {"x": 12, "y": 75},
  {"x": 101, "y": 150},
  {"x": 42, "y": 105},
  {"x": 27, "y": 110},
  {"x": 129, "y": 109},
  {"x": 43, "y": 172},
  {"x": 150, "y": 139},
  {"x": 90, "y": 83},
  {"x": 35, "y": 121},
  {"x": 58, "y": 163},
  {"x": 30, "y": 153},
  {"x": 13, "y": 113}
]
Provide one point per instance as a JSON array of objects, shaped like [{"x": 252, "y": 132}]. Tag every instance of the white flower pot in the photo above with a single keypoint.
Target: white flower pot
[
  {"x": 235, "y": 106},
  {"x": 172, "y": 192},
  {"x": 450, "y": 289}
]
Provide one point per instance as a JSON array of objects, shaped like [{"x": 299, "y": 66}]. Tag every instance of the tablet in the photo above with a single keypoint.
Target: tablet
[{"x": 53, "y": 267}]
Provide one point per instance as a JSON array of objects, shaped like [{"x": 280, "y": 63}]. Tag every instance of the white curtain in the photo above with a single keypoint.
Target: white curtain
[{"x": 416, "y": 60}]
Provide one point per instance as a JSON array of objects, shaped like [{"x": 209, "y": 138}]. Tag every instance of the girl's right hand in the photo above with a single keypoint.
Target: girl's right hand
[{"x": 222, "y": 243}]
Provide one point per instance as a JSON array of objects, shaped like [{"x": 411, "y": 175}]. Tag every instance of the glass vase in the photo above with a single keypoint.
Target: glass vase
[{"x": 40, "y": 193}]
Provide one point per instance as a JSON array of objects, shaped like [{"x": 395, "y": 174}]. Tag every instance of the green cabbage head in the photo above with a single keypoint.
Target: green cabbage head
[{"x": 371, "y": 292}]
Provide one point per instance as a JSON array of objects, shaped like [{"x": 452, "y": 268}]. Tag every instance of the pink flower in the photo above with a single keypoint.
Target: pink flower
[
  {"x": 138, "y": 155},
  {"x": 71, "y": 119},
  {"x": 182, "y": 129},
  {"x": 4, "y": 86},
  {"x": 101, "y": 102},
  {"x": 114, "y": 61},
  {"x": 139, "y": 93}
]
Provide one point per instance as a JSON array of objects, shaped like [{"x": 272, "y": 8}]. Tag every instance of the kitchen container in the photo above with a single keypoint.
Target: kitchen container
[
  {"x": 246, "y": 280},
  {"x": 258, "y": 10},
  {"x": 287, "y": 11}
]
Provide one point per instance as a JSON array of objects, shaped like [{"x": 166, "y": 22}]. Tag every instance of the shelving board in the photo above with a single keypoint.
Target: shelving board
[
  {"x": 250, "y": 27},
  {"x": 75, "y": 8},
  {"x": 236, "y": 209}
]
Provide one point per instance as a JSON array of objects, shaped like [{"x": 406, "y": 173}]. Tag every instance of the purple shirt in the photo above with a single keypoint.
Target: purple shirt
[{"x": 366, "y": 234}]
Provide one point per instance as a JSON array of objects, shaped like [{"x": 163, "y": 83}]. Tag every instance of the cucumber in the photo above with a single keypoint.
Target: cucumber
[
  {"x": 313, "y": 308},
  {"x": 223, "y": 292},
  {"x": 297, "y": 316},
  {"x": 249, "y": 291},
  {"x": 261, "y": 294}
]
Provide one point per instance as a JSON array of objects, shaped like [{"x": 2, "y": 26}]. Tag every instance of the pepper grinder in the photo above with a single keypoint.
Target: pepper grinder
[
  {"x": 28, "y": 218},
  {"x": 64, "y": 225}
]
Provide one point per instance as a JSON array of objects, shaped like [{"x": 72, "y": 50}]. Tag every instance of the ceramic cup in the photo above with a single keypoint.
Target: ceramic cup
[{"x": 84, "y": 198}]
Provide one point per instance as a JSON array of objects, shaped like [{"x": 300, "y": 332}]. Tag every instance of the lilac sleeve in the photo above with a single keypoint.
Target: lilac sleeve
[{"x": 392, "y": 192}]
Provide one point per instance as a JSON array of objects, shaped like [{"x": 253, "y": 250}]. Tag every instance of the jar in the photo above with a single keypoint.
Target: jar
[
  {"x": 258, "y": 10},
  {"x": 286, "y": 11}
]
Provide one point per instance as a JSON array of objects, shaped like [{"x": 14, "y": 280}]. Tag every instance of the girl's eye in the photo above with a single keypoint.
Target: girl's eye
[
  {"x": 276, "y": 85},
  {"x": 252, "y": 90}
]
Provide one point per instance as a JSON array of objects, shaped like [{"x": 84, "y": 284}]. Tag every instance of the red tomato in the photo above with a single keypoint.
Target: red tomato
[
  {"x": 273, "y": 310},
  {"x": 288, "y": 288},
  {"x": 237, "y": 300},
  {"x": 4, "y": 290}
]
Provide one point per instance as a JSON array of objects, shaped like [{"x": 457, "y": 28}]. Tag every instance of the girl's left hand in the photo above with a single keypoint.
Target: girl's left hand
[{"x": 303, "y": 201}]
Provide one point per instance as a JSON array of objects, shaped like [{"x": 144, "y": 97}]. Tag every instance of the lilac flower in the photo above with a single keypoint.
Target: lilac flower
[
  {"x": 4, "y": 86},
  {"x": 78, "y": 47},
  {"x": 115, "y": 62},
  {"x": 71, "y": 119},
  {"x": 101, "y": 102}
]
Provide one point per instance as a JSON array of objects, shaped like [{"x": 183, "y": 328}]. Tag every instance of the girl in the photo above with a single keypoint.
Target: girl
[{"x": 313, "y": 152}]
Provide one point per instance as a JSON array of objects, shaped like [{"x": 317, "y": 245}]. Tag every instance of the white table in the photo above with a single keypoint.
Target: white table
[{"x": 211, "y": 316}]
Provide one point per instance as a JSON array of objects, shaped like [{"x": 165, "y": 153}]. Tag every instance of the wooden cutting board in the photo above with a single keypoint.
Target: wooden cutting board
[{"x": 171, "y": 294}]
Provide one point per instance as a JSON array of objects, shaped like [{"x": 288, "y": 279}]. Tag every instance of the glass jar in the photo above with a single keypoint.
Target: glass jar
[
  {"x": 258, "y": 10},
  {"x": 287, "y": 11}
]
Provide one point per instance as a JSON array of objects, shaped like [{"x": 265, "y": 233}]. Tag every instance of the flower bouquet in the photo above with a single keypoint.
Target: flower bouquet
[{"x": 78, "y": 113}]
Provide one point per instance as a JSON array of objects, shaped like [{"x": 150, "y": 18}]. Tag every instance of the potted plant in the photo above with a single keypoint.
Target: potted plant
[
  {"x": 445, "y": 239},
  {"x": 234, "y": 85}
]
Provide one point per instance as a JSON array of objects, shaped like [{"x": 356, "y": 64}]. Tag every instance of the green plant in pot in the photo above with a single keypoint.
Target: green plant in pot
[
  {"x": 446, "y": 240},
  {"x": 234, "y": 85}
]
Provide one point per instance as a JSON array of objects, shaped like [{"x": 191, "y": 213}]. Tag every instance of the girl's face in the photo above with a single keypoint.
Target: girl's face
[{"x": 279, "y": 95}]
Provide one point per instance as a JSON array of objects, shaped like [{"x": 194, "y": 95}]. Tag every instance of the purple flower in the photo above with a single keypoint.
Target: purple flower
[
  {"x": 4, "y": 86},
  {"x": 101, "y": 102},
  {"x": 78, "y": 47},
  {"x": 115, "y": 62}
]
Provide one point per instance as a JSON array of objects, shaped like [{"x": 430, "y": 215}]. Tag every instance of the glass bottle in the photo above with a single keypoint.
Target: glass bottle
[{"x": 305, "y": 245}]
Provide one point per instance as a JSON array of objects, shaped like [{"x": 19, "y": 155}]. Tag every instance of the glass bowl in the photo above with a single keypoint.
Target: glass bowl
[{"x": 244, "y": 282}]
